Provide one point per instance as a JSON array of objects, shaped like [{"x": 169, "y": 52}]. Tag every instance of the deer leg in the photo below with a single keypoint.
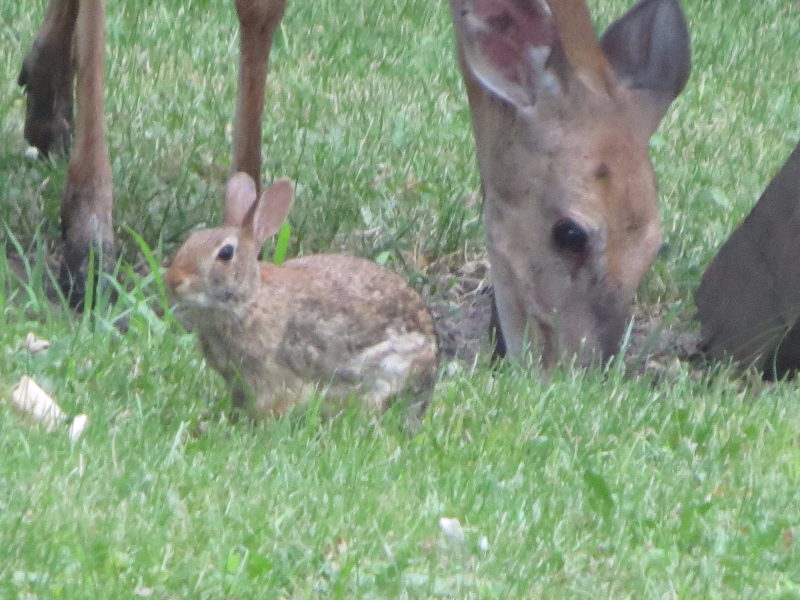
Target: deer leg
[
  {"x": 258, "y": 21},
  {"x": 86, "y": 225},
  {"x": 47, "y": 75}
]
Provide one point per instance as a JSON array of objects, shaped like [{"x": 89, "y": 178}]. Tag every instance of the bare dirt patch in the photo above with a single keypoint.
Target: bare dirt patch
[{"x": 460, "y": 300}]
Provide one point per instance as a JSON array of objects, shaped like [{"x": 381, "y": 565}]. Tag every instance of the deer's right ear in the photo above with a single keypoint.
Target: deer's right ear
[
  {"x": 505, "y": 45},
  {"x": 269, "y": 213},
  {"x": 240, "y": 194}
]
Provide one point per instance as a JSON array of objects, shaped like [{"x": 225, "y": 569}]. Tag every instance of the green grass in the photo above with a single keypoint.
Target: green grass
[{"x": 591, "y": 485}]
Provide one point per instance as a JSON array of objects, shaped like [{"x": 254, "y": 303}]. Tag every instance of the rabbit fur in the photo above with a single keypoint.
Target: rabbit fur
[{"x": 332, "y": 324}]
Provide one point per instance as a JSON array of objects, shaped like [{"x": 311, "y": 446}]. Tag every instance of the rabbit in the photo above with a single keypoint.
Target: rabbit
[{"x": 332, "y": 324}]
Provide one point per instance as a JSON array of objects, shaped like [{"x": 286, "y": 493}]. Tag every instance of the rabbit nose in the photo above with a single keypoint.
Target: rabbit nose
[{"x": 174, "y": 278}]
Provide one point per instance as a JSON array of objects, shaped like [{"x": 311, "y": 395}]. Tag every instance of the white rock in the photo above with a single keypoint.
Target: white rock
[
  {"x": 32, "y": 153},
  {"x": 79, "y": 424},
  {"x": 29, "y": 400},
  {"x": 452, "y": 528},
  {"x": 34, "y": 344}
]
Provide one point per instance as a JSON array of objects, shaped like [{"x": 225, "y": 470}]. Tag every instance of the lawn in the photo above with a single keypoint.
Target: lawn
[{"x": 598, "y": 484}]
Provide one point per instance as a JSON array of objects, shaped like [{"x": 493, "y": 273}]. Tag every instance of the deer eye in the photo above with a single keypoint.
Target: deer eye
[
  {"x": 570, "y": 237},
  {"x": 226, "y": 252}
]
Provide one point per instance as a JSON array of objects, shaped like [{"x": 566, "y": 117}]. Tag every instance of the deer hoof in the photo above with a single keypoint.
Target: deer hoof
[{"x": 83, "y": 270}]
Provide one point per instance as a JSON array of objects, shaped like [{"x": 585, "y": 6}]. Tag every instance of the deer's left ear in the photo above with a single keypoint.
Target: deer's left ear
[{"x": 650, "y": 52}]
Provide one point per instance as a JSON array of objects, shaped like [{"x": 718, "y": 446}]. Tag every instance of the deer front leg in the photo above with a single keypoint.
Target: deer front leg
[
  {"x": 258, "y": 20},
  {"x": 47, "y": 75},
  {"x": 86, "y": 224}
]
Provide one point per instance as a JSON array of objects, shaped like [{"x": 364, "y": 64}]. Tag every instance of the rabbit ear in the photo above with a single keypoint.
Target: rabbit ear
[
  {"x": 268, "y": 214},
  {"x": 240, "y": 195}
]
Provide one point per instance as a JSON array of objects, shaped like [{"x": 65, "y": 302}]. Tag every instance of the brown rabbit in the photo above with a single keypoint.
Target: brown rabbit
[{"x": 327, "y": 323}]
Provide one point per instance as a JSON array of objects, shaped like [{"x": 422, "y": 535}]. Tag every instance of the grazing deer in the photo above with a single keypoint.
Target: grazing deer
[
  {"x": 561, "y": 124},
  {"x": 69, "y": 46}
]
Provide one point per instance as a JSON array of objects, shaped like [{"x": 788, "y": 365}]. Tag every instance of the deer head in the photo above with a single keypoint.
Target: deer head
[{"x": 561, "y": 124}]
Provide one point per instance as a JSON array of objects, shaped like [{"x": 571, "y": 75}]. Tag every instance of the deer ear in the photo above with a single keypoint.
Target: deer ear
[
  {"x": 240, "y": 194},
  {"x": 649, "y": 50},
  {"x": 505, "y": 45},
  {"x": 267, "y": 216}
]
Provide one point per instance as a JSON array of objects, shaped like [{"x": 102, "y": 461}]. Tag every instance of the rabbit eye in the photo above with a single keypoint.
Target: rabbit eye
[
  {"x": 226, "y": 252},
  {"x": 570, "y": 237}
]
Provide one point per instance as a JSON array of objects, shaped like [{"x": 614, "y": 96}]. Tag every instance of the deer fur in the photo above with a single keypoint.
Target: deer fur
[{"x": 561, "y": 124}]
